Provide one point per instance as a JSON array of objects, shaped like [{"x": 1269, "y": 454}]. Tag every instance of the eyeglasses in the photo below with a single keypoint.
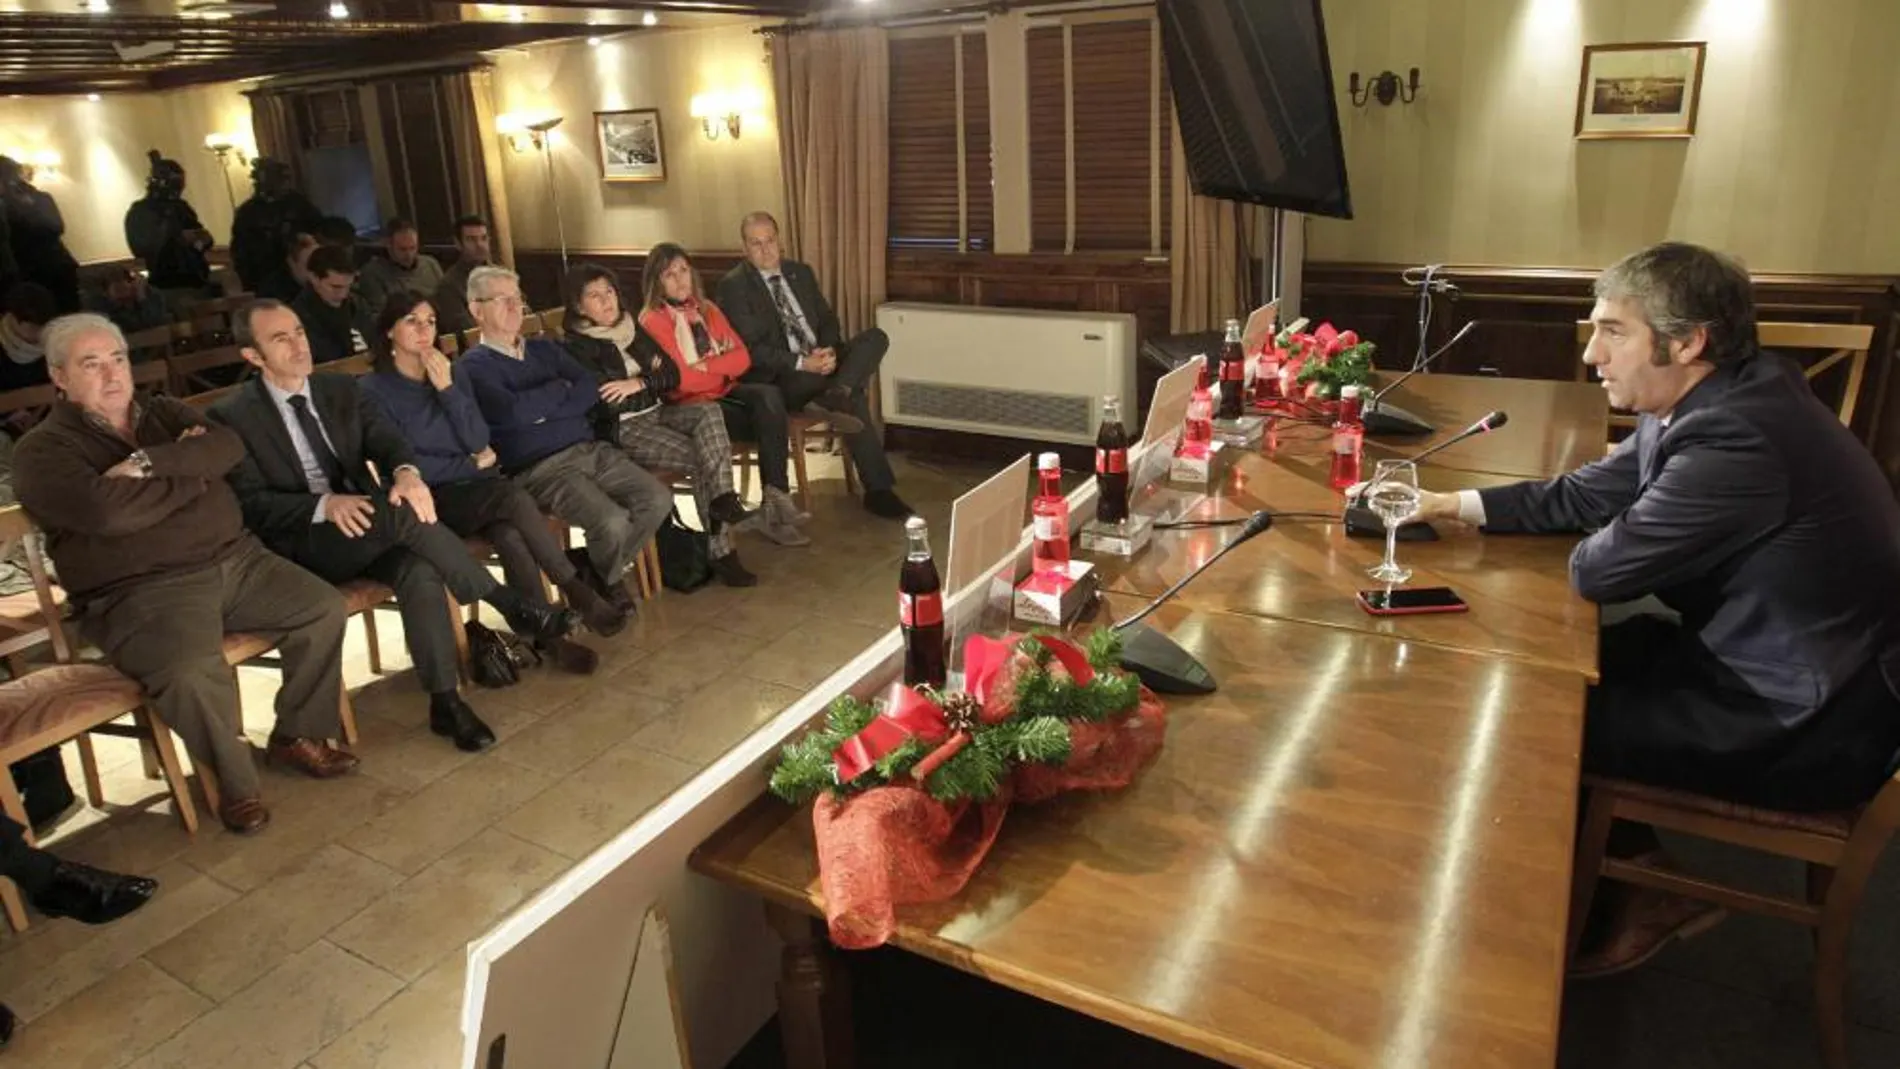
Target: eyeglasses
[{"x": 505, "y": 302}]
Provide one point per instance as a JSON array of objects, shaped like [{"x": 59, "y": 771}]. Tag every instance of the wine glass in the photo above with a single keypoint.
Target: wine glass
[{"x": 1392, "y": 496}]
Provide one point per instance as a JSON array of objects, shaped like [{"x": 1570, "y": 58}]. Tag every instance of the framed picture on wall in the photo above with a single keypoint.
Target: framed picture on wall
[
  {"x": 631, "y": 146},
  {"x": 1640, "y": 90}
]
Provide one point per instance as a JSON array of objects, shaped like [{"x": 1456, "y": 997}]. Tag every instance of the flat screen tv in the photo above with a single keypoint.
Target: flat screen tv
[{"x": 1253, "y": 93}]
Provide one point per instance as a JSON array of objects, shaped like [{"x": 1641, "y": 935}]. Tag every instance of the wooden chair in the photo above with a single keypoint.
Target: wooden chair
[
  {"x": 358, "y": 364},
  {"x": 746, "y": 456},
  {"x": 221, "y": 307},
  {"x": 151, "y": 376},
  {"x": 1840, "y": 343},
  {"x": 206, "y": 398},
  {"x": 554, "y": 321},
  {"x": 152, "y": 343},
  {"x": 210, "y": 369},
  {"x": 471, "y": 338},
  {"x": 32, "y": 401},
  {"x": 1840, "y": 850},
  {"x": 68, "y": 702},
  {"x": 532, "y": 326}
]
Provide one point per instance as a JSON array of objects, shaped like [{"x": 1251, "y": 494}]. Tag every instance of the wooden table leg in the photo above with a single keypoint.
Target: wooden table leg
[{"x": 814, "y": 995}]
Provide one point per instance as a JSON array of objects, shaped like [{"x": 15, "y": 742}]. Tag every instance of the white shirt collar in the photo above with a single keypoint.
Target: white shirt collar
[
  {"x": 281, "y": 396},
  {"x": 505, "y": 349}
]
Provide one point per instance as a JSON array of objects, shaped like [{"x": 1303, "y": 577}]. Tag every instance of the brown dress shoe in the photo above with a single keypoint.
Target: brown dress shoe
[
  {"x": 244, "y": 815},
  {"x": 1643, "y": 922},
  {"x": 312, "y": 757}
]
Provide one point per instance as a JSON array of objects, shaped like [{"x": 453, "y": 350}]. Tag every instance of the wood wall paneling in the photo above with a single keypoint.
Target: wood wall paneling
[{"x": 540, "y": 270}]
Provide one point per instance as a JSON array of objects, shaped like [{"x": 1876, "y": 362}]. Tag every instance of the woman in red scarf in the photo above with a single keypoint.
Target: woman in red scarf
[{"x": 699, "y": 339}]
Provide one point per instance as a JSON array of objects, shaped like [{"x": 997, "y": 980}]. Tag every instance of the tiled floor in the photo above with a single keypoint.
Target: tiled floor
[{"x": 335, "y": 938}]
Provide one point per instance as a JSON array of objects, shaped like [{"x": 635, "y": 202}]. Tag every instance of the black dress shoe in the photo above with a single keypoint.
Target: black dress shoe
[
  {"x": 451, "y": 718},
  {"x": 727, "y": 511},
  {"x": 732, "y": 573},
  {"x": 542, "y": 624},
  {"x": 92, "y": 896},
  {"x": 886, "y": 503},
  {"x": 6, "y": 1026}
]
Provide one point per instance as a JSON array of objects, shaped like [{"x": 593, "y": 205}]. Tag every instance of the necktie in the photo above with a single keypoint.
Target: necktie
[
  {"x": 319, "y": 445},
  {"x": 795, "y": 329}
]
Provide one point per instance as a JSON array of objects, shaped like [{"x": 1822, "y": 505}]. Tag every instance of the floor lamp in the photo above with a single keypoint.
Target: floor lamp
[{"x": 538, "y": 131}]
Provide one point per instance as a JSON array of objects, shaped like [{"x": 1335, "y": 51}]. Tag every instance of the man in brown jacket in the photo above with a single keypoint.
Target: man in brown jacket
[{"x": 151, "y": 547}]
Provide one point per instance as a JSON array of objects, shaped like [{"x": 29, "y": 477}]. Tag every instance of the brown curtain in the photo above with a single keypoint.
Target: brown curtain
[
  {"x": 468, "y": 102},
  {"x": 1212, "y": 257},
  {"x": 833, "y": 92},
  {"x": 274, "y": 127}
]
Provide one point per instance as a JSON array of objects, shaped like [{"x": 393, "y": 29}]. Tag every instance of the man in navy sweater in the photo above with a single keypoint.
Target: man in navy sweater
[
  {"x": 536, "y": 399},
  {"x": 434, "y": 408}
]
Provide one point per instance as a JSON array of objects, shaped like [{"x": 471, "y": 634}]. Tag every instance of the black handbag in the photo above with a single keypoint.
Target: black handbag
[
  {"x": 685, "y": 555},
  {"x": 497, "y": 658}
]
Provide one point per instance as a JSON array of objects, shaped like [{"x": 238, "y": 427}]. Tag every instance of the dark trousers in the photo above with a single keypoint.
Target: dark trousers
[
  {"x": 27, "y": 866},
  {"x": 417, "y": 560},
  {"x": 755, "y": 412},
  {"x": 858, "y": 361},
  {"x": 1666, "y": 713},
  {"x": 168, "y": 632},
  {"x": 498, "y": 510}
]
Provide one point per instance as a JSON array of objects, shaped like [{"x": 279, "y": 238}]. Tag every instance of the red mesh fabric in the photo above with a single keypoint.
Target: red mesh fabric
[
  {"x": 1102, "y": 756},
  {"x": 895, "y": 845}
]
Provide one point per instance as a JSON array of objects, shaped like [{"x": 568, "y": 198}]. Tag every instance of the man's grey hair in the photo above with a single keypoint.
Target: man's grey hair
[
  {"x": 60, "y": 336},
  {"x": 480, "y": 279},
  {"x": 752, "y": 219},
  {"x": 1682, "y": 287}
]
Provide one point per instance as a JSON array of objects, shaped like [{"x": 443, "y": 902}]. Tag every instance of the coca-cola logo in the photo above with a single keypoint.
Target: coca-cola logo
[{"x": 919, "y": 610}]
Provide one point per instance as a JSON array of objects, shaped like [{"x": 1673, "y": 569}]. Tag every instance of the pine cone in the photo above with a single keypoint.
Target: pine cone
[{"x": 962, "y": 712}]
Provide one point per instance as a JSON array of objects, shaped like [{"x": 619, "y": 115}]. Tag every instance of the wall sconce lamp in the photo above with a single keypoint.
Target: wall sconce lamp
[
  {"x": 1384, "y": 87},
  {"x": 226, "y": 148},
  {"x": 723, "y": 112}
]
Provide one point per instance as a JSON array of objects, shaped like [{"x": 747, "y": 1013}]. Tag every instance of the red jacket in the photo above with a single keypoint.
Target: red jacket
[{"x": 712, "y": 377}]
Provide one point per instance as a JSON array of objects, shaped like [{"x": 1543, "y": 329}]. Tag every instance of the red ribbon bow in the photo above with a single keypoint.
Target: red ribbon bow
[{"x": 911, "y": 715}]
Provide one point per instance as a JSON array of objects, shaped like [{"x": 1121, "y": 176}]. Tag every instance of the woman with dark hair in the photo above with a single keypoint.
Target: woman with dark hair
[
  {"x": 710, "y": 358},
  {"x": 635, "y": 376},
  {"x": 162, "y": 230},
  {"x": 414, "y": 386}
]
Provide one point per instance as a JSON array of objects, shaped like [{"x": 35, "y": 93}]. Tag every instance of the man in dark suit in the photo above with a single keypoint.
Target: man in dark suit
[
  {"x": 796, "y": 343},
  {"x": 1744, "y": 506},
  {"x": 309, "y": 491}
]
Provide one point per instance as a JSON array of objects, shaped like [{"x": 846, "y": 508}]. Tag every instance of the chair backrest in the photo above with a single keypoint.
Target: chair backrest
[
  {"x": 24, "y": 633},
  {"x": 471, "y": 338},
  {"x": 152, "y": 374},
  {"x": 188, "y": 371},
  {"x": 358, "y": 364},
  {"x": 532, "y": 325},
  {"x": 554, "y": 320},
  {"x": 152, "y": 342},
  {"x": 207, "y": 398},
  {"x": 1839, "y": 343},
  {"x": 32, "y": 400}
]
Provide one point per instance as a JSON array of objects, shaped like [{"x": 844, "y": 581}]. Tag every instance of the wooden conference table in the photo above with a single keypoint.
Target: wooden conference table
[{"x": 1355, "y": 853}]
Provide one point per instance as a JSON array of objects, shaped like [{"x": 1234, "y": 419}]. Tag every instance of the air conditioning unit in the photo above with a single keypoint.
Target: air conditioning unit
[{"x": 1018, "y": 373}]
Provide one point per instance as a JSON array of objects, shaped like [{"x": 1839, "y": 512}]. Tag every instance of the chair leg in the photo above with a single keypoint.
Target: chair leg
[
  {"x": 850, "y": 475},
  {"x": 15, "y": 905},
  {"x": 1830, "y": 988},
  {"x": 346, "y": 713},
  {"x": 208, "y": 783},
  {"x": 803, "y": 492},
  {"x": 651, "y": 554},
  {"x": 150, "y": 757},
  {"x": 375, "y": 647},
  {"x": 1599, "y": 814},
  {"x": 89, "y": 767},
  {"x": 174, "y": 771}
]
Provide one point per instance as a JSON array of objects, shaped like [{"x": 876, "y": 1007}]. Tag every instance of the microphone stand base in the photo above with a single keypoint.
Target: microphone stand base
[
  {"x": 1390, "y": 420},
  {"x": 1162, "y": 665}
]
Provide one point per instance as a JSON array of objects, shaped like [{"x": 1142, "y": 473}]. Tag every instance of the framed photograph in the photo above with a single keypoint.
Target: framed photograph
[
  {"x": 631, "y": 146},
  {"x": 1640, "y": 90}
]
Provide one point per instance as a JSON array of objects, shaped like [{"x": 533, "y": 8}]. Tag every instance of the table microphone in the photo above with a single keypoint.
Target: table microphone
[
  {"x": 1160, "y": 662},
  {"x": 1381, "y": 418},
  {"x": 1362, "y": 522}
]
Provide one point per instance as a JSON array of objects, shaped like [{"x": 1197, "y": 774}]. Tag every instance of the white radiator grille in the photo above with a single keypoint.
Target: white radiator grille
[{"x": 1008, "y": 410}]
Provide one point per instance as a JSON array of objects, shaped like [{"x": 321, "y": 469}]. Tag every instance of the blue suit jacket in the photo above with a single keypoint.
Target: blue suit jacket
[{"x": 1756, "y": 516}]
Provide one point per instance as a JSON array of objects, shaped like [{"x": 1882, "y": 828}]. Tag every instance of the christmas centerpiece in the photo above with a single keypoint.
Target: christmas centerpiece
[
  {"x": 911, "y": 792},
  {"x": 1323, "y": 361}
]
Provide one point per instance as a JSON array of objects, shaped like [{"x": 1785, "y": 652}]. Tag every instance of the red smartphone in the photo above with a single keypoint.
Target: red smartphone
[{"x": 1406, "y": 602}]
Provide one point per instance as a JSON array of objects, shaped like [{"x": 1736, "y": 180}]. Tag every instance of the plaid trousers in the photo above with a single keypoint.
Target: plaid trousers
[{"x": 686, "y": 438}]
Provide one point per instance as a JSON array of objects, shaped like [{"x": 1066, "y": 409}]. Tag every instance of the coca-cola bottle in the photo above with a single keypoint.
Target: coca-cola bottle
[
  {"x": 920, "y": 610},
  {"x": 1267, "y": 391},
  {"x": 1111, "y": 465},
  {"x": 1050, "y": 517},
  {"x": 1233, "y": 374},
  {"x": 1198, "y": 431},
  {"x": 1349, "y": 440}
]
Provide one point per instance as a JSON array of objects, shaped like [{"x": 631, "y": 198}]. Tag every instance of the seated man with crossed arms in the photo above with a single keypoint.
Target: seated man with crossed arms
[
  {"x": 151, "y": 546},
  {"x": 1744, "y": 506}
]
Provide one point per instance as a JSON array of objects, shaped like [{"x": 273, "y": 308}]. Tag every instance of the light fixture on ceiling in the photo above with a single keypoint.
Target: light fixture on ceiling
[
  {"x": 593, "y": 42},
  {"x": 649, "y": 19},
  {"x": 339, "y": 10},
  {"x": 99, "y": 7},
  {"x": 516, "y": 14},
  {"x": 93, "y": 97}
]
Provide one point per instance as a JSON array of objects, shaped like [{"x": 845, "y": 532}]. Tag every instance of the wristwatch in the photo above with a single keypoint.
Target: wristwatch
[{"x": 144, "y": 462}]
